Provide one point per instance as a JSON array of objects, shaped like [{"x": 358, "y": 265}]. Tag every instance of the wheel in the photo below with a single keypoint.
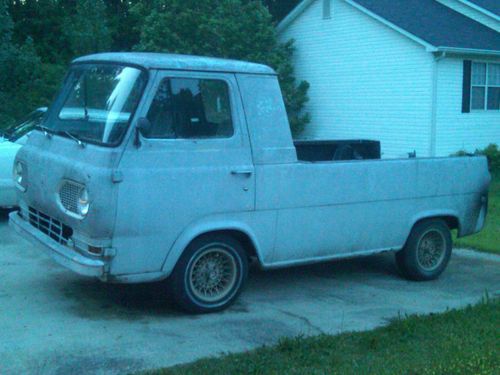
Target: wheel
[
  {"x": 427, "y": 251},
  {"x": 209, "y": 275}
]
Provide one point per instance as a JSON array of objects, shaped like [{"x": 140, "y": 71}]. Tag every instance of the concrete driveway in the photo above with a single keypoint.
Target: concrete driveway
[{"x": 55, "y": 322}]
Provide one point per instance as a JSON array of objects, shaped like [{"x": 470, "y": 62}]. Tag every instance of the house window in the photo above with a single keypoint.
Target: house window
[{"x": 485, "y": 86}]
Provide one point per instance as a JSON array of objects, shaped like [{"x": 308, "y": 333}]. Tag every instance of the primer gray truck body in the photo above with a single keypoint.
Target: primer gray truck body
[{"x": 148, "y": 203}]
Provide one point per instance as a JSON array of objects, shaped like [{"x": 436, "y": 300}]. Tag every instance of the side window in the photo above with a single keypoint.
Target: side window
[{"x": 188, "y": 108}]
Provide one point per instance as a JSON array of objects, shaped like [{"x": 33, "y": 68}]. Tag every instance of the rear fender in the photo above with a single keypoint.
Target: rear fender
[{"x": 434, "y": 214}]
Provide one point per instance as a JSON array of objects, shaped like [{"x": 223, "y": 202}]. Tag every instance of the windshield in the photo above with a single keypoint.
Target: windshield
[
  {"x": 25, "y": 126},
  {"x": 99, "y": 102}
]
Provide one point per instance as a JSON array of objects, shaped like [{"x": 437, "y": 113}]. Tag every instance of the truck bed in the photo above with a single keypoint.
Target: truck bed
[{"x": 327, "y": 150}]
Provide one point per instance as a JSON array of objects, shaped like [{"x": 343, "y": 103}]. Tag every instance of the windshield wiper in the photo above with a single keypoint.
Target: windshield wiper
[
  {"x": 48, "y": 132},
  {"x": 75, "y": 138}
]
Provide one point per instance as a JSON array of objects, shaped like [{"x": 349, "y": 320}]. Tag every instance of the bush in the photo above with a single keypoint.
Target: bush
[{"x": 492, "y": 153}]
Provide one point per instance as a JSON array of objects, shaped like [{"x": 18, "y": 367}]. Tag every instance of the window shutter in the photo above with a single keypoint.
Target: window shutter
[{"x": 466, "y": 86}]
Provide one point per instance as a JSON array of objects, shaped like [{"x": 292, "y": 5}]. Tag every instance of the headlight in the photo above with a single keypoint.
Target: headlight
[
  {"x": 83, "y": 202},
  {"x": 19, "y": 174}
]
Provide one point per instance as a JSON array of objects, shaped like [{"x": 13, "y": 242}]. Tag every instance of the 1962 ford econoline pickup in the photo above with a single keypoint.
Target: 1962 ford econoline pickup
[{"x": 152, "y": 166}]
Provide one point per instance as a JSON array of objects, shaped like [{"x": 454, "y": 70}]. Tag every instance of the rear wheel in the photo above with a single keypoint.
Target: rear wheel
[
  {"x": 427, "y": 251},
  {"x": 210, "y": 274}
]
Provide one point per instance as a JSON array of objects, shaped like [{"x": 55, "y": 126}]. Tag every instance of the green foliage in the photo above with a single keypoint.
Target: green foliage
[
  {"x": 6, "y": 26},
  {"x": 87, "y": 30},
  {"x": 279, "y": 8},
  {"x": 487, "y": 239},
  {"x": 236, "y": 29},
  {"x": 124, "y": 26},
  {"x": 60, "y": 30},
  {"x": 492, "y": 153},
  {"x": 42, "y": 21},
  {"x": 19, "y": 72}
]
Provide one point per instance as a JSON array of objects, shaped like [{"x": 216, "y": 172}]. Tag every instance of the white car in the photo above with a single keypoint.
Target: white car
[{"x": 11, "y": 140}]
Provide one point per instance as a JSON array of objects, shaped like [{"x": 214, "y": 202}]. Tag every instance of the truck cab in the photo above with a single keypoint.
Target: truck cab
[{"x": 165, "y": 167}]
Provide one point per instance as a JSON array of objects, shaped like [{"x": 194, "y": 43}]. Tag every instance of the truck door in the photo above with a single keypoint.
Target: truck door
[{"x": 195, "y": 161}]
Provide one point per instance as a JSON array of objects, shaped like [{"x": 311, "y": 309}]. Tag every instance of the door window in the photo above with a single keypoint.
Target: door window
[{"x": 188, "y": 108}]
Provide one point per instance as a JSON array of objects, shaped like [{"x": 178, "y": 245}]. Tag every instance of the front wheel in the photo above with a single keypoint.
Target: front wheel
[
  {"x": 427, "y": 251},
  {"x": 209, "y": 275}
]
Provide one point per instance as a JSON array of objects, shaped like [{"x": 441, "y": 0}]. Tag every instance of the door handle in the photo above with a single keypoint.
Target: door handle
[{"x": 246, "y": 172}]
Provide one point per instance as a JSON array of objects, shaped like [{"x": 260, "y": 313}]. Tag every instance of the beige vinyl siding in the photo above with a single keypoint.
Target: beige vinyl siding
[
  {"x": 367, "y": 80},
  {"x": 456, "y": 130}
]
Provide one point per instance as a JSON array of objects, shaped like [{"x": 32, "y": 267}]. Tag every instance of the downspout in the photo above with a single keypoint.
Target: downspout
[{"x": 437, "y": 59}]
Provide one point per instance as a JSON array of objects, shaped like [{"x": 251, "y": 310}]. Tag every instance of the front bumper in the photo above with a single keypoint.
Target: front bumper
[{"x": 63, "y": 255}]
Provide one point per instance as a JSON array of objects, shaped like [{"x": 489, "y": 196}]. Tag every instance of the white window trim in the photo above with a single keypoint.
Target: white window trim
[{"x": 485, "y": 86}]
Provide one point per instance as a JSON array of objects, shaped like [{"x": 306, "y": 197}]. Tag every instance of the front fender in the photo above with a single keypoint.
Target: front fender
[{"x": 204, "y": 226}]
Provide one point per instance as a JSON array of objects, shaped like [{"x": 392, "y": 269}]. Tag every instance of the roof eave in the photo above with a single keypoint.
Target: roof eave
[{"x": 468, "y": 51}]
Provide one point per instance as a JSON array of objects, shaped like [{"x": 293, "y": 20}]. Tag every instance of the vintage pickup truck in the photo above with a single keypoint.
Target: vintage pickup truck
[{"x": 164, "y": 167}]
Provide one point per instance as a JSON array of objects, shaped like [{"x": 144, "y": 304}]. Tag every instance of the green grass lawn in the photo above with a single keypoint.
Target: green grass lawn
[
  {"x": 489, "y": 238},
  {"x": 456, "y": 342}
]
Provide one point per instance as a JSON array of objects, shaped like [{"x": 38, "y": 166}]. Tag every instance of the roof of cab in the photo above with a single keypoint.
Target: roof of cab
[{"x": 178, "y": 62}]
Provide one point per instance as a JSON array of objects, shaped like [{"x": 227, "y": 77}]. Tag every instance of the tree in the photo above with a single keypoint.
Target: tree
[
  {"x": 279, "y": 8},
  {"x": 87, "y": 30},
  {"x": 42, "y": 21},
  {"x": 19, "y": 71},
  {"x": 235, "y": 29},
  {"x": 123, "y": 25},
  {"x": 6, "y": 26}
]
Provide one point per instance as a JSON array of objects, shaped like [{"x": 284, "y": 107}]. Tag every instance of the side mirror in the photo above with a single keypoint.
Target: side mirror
[{"x": 142, "y": 127}]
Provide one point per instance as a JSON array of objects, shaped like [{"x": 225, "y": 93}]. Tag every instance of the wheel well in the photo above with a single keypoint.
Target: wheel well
[
  {"x": 451, "y": 221},
  {"x": 243, "y": 238}
]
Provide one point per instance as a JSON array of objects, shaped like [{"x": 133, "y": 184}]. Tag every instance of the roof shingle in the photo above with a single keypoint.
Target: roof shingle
[
  {"x": 492, "y": 6},
  {"x": 435, "y": 23}
]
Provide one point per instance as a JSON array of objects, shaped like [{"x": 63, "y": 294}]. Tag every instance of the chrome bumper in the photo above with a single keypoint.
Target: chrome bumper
[{"x": 63, "y": 255}]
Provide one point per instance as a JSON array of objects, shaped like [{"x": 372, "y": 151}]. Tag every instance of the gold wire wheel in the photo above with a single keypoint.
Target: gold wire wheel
[
  {"x": 431, "y": 250},
  {"x": 213, "y": 275}
]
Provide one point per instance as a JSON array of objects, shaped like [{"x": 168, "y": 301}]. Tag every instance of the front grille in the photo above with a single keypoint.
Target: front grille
[
  {"x": 51, "y": 227},
  {"x": 69, "y": 193}
]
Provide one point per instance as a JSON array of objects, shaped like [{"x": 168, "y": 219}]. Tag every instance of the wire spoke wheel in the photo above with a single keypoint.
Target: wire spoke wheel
[
  {"x": 431, "y": 250},
  {"x": 213, "y": 275}
]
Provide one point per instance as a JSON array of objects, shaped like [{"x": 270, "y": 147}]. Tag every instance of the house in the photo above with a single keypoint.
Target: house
[{"x": 418, "y": 75}]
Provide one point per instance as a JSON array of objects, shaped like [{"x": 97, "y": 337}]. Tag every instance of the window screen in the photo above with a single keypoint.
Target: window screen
[{"x": 191, "y": 108}]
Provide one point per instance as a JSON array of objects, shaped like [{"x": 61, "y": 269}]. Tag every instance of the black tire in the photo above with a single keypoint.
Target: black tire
[
  {"x": 422, "y": 263},
  {"x": 226, "y": 254}
]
